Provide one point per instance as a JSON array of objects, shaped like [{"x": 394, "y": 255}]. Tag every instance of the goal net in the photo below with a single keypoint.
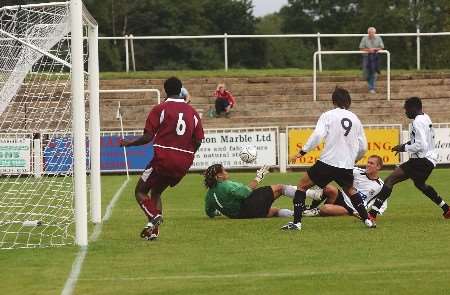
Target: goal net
[{"x": 37, "y": 187}]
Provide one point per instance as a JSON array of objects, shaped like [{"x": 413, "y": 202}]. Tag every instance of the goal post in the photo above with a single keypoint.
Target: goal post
[
  {"x": 49, "y": 124},
  {"x": 94, "y": 124}
]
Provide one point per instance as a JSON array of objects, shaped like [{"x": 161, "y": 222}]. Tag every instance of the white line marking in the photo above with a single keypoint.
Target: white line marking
[
  {"x": 78, "y": 263},
  {"x": 263, "y": 275}
]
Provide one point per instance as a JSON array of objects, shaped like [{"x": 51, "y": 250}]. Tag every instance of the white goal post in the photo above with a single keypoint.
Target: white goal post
[
  {"x": 48, "y": 56},
  {"x": 319, "y": 53}
]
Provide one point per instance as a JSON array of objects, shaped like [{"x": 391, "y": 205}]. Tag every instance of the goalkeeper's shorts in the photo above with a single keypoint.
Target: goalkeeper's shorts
[{"x": 257, "y": 204}]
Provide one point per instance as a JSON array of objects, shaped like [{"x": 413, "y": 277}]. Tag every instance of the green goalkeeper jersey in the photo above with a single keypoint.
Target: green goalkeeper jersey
[{"x": 226, "y": 197}]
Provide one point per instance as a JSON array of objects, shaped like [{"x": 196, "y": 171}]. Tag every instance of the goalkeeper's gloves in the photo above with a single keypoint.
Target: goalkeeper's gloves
[{"x": 261, "y": 173}]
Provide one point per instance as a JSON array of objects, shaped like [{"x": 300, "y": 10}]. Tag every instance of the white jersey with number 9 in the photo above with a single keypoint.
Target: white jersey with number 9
[{"x": 343, "y": 134}]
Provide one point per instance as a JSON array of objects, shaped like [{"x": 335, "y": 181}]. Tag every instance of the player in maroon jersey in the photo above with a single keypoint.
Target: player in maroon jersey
[{"x": 175, "y": 130}]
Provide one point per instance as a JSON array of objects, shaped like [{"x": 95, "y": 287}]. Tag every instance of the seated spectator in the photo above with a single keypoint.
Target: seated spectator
[{"x": 224, "y": 100}]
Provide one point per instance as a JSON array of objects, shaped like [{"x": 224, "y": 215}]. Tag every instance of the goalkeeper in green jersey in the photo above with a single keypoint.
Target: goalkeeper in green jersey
[{"x": 237, "y": 200}]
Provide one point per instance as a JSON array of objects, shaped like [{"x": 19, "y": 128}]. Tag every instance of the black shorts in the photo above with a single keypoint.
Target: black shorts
[
  {"x": 322, "y": 174},
  {"x": 418, "y": 169},
  {"x": 340, "y": 202},
  {"x": 257, "y": 204}
]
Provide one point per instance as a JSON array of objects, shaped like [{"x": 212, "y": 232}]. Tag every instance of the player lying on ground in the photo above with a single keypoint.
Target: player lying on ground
[
  {"x": 176, "y": 131},
  {"x": 337, "y": 203},
  {"x": 237, "y": 200},
  {"x": 422, "y": 159}
]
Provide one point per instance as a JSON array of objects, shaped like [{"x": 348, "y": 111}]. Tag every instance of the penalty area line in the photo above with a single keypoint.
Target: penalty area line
[{"x": 71, "y": 281}]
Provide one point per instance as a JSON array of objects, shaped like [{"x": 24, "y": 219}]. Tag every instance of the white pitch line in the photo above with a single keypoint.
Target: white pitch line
[
  {"x": 78, "y": 263},
  {"x": 262, "y": 275}
]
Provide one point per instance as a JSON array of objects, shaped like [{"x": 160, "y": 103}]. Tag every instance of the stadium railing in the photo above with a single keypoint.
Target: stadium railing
[{"x": 129, "y": 42}]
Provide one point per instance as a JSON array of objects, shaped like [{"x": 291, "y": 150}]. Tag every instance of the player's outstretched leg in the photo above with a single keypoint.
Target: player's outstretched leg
[
  {"x": 429, "y": 191},
  {"x": 398, "y": 175},
  {"x": 357, "y": 202},
  {"x": 382, "y": 196}
]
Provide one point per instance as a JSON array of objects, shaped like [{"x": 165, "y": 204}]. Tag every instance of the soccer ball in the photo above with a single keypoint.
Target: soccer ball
[{"x": 248, "y": 154}]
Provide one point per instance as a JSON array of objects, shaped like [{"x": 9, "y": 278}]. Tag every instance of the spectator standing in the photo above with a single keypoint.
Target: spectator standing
[
  {"x": 371, "y": 44},
  {"x": 225, "y": 101}
]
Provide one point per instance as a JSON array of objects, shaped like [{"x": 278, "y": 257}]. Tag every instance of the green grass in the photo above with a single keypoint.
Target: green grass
[
  {"x": 184, "y": 74},
  {"x": 406, "y": 254}
]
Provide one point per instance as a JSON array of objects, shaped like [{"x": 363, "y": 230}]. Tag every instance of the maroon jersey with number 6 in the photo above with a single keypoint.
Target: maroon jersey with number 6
[{"x": 176, "y": 128}]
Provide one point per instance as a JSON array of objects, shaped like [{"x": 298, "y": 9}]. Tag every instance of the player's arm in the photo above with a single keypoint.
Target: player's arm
[
  {"x": 419, "y": 139},
  {"x": 316, "y": 137},
  {"x": 144, "y": 139},
  {"x": 151, "y": 127},
  {"x": 418, "y": 144},
  {"x": 199, "y": 133},
  {"x": 260, "y": 174},
  {"x": 210, "y": 207},
  {"x": 362, "y": 144}
]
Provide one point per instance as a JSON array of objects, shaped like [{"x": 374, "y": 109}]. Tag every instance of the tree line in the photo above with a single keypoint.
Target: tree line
[{"x": 210, "y": 17}]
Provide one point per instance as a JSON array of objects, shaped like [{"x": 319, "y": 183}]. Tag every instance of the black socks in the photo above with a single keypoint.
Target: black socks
[
  {"x": 299, "y": 205},
  {"x": 382, "y": 196},
  {"x": 358, "y": 204},
  {"x": 433, "y": 195}
]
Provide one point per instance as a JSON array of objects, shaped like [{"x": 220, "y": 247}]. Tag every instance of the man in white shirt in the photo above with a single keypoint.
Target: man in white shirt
[
  {"x": 367, "y": 182},
  {"x": 422, "y": 159},
  {"x": 345, "y": 143}
]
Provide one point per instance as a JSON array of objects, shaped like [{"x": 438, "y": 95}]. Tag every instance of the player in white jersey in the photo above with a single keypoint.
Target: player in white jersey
[
  {"x": 345, "y": 143},
  {"x": 337, "y": 203},
  {"x": 422, "y": 159}
]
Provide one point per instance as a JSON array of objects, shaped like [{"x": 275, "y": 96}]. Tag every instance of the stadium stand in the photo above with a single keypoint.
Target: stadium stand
[{"x": 282, "y": 101}]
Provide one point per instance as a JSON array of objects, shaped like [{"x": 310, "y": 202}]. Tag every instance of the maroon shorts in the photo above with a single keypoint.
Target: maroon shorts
[
  {"x": 164, "y": 170},
  {"x": 155, "y": 181},
  {"x": 172, "y": 163}
]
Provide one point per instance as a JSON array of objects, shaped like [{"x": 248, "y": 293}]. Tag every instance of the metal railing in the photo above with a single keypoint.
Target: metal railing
[
  {"x": 129, "y": 42},
  {"x": 319, "y": 53},
  {"x": 151, "y": 90}
]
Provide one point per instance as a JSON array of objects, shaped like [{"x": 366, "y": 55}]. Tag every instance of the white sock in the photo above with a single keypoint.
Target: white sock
[
  {"x": 289, "y": 190},
  {"x": 285, "y": 213},
  {"x": 314, "y": 193}
]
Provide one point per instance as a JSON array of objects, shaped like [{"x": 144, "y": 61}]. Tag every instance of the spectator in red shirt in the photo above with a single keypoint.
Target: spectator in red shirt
[
  {"x": 176, "y": 131},
  {"x": 224, "y": 100}
]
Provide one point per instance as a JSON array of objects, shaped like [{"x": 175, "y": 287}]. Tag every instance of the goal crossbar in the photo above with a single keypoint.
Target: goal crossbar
[{"x": 34, "y": 5}]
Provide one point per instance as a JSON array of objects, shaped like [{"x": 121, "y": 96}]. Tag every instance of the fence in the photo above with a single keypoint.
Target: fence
[{"x": 129, "y": 42}]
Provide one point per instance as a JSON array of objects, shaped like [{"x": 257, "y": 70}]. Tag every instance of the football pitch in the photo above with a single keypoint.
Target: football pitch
[{"x": 407, "y": 253}]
